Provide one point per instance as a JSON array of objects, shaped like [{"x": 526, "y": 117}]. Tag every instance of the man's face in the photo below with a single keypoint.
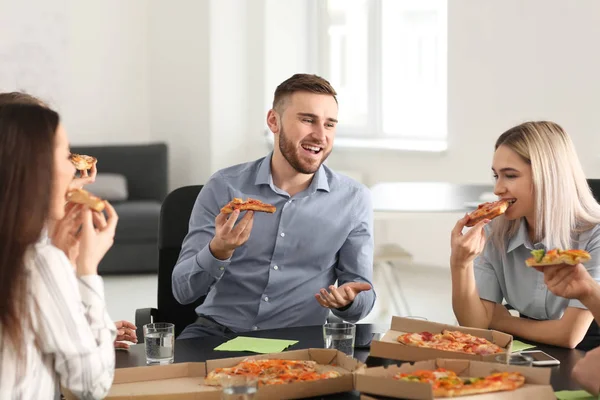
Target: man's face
[{"x": 306, "y": 130}]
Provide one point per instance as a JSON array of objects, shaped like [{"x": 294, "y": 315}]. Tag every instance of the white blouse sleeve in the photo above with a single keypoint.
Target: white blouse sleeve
[{"x": 72, "y": 324}]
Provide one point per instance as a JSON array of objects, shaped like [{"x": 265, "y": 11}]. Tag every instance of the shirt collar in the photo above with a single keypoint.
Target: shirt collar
[
  {"x": 265, "y": 177},
  {"x": 521, "y": 238}
]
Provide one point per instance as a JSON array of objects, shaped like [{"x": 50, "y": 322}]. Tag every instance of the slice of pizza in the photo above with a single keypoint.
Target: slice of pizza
[
  {"x": 82, "y": 162},
  {"x": 249, "y": 204},
  {"x": 472, "y": 344},
  {"x": 84, "y": 197},
  {"x": 489, "y": 210},
  {"x": 542, "y": 257}
]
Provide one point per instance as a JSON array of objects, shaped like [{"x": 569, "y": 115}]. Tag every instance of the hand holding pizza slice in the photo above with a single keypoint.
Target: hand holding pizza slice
[{"x": 80, "y": 196}]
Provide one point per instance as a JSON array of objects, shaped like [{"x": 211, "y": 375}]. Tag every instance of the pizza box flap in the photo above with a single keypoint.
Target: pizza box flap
[
  {"x": 379, "y": 380},
  {"x": 333, "y": 359},
  {"x": 162, "y": 382},
  {"x": 389, "y": 347}
]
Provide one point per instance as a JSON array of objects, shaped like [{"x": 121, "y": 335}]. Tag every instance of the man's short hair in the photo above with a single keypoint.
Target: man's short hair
[{"x": 301, "y": 83}]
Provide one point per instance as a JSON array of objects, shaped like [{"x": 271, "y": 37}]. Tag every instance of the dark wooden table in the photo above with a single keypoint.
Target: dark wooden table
[{"x": 198, "y": 350}]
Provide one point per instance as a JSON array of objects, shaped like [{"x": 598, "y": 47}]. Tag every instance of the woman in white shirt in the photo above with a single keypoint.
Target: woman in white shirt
[
  {"x": 535, "y": 164},
  {"x": 54, "y": 328}
]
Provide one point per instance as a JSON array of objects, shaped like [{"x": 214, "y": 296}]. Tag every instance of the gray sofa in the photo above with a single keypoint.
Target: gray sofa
[{"x": 144, "y": 168}]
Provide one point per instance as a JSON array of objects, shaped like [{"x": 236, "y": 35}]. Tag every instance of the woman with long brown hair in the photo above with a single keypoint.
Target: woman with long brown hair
[{"x": 53, "y": 320}]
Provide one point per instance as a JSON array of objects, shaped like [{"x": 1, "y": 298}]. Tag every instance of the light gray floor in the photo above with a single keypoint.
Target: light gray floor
[{"x": 427, "y": 291}]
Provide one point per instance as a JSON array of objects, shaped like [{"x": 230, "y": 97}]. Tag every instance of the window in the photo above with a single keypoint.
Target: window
[{"x": 387, "y": 61}]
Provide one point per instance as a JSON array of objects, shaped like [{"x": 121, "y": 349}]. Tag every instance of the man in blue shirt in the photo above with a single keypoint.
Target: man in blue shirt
[{"x": 265, "y": 271}]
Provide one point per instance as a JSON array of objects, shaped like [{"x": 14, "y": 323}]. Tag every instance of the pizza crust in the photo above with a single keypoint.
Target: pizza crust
[{"x": 84, "y": 197}]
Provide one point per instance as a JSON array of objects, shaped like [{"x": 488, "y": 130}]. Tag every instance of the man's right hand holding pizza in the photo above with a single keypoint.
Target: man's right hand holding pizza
[
  {"x": 466, "y": 247},
  {"x": 229, "y": 235}
]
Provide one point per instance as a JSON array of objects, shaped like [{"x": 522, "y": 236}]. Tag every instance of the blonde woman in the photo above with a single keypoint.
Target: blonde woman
[{"x": 535, "y": 165}]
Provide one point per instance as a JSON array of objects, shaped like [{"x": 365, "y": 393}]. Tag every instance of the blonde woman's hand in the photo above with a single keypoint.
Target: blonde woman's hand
[
  {"x": 97, "y": 237},
  {"x": 466, "y": 247}
]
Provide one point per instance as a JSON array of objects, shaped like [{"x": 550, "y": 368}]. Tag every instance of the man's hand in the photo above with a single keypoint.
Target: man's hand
[
  {"x": 229, "y": 236},
  {"x": 568, "y": 281},
  {"x": 125, "y": 331},
  {"x": 84, "y": 179},
  {"x": 64, "y": 233},
  {"x": 341, "y": 296}
]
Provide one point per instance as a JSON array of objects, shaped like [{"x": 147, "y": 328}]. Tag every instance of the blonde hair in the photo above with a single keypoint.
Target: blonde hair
[{"x": 564, "y": 204}]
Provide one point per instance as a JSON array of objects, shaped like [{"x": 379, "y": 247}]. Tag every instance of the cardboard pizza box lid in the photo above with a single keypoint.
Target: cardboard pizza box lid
[
  {"x": 165, "y": 382},
  {"x": 332, "y": 358},
  {"x": 389, "y": 347},
  {"x": 380, "y": 381}
]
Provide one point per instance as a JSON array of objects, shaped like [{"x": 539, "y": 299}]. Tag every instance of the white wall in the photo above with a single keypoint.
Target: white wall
[{"x": 87, "y": 59}]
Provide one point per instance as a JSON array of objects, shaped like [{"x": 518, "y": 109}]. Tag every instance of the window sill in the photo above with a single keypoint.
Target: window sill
[{"x": 425, "y": 146}]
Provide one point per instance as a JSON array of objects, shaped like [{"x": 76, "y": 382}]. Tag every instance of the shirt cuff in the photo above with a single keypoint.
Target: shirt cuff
[
  {"x": 577, "y": 304},
  {"x": 211, "y": 265},
  {"x": 352, "y": 313}
]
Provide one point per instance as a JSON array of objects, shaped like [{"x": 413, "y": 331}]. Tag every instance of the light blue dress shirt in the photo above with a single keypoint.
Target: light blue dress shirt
[
  {"x": 318, "y": 236},
  {"x": 503, "y": 274}
]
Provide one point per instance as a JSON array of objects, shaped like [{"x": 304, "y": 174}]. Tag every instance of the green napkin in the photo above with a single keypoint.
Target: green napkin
[
  {"x": 574, "y": 394},
  {"x": 257, "y": 345},
  {"x": 520, "y": 346}
]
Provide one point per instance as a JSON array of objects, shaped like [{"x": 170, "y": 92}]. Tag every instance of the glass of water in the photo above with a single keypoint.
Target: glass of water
[
  {"x": 515, "y": 359},
  {"x": 239, "y": 387},
  {"x": 159, "y": 339},
  {"x": 340, "y": 336}
]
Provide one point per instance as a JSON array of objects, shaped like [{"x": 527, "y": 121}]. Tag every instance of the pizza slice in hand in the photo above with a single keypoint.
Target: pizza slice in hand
[
  {"x": 84, "y": 197},
  {"x": 542, "y": 257},
  {"x": 82, "y": 162},
  {"x": 249, "y": 204},
  {"x": 489, "y": 210}
]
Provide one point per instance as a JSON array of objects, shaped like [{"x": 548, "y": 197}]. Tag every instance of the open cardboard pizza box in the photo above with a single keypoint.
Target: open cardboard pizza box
[
  {"x": 185, "y": 381},
  {"x": 389, "y": 347},
  {"x": 380, "y": 381},
  {"x": 333, "y": 359}
]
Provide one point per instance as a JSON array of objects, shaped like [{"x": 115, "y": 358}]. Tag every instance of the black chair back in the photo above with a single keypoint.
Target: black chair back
[
  {"x": 172, "y": 229},
  {"x": 595, "y": 188}
]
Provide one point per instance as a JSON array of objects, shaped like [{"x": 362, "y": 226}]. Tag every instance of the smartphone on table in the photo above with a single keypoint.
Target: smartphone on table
[{"x": 540, "y": 358}]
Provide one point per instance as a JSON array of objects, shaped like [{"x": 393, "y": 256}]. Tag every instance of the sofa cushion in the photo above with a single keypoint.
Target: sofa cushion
[
  {"x": 111, "y": 187},
  {"x": 138, "y": 221}
]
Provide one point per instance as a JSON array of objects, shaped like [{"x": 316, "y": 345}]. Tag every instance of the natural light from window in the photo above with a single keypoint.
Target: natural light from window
[{"x": 388, "y": 61}]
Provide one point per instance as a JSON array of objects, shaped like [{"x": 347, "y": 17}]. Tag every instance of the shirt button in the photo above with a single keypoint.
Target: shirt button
[
  {"x": 266, "y": 298},
  {"x": 254, "y": 328},
  {"x": 282, "y": 234},
  {"x": 289, "y": 202},
  {"x": 221, "y": 268},
  {"x": 276, "y": 268}
]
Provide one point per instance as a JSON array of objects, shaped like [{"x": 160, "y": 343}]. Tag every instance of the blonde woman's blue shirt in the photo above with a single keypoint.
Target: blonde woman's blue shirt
[{"x": 504, "y": 275}]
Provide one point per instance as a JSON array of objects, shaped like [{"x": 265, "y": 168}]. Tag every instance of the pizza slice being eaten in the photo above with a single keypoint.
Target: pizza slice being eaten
[
  {"x": 84, "y": 197},
  {"x": 249, "y": 204},
  {"x": 82, "y": 162},
  {"x": 489, "y": 210},
  {"x": 542, "y": 257}
]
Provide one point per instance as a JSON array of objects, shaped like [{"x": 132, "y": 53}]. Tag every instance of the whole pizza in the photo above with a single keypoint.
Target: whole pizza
[
  {"x": 273, "y": 372},
  {"x": 446, "y": 383},
  {"x": 449, "y": 340}
]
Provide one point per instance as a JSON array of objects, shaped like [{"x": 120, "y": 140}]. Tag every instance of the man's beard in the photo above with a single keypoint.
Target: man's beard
[{"x": 290, "y": 153}]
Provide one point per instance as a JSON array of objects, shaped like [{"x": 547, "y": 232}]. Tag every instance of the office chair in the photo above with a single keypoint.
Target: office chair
[
  {"x": 172, "y": 229},
  {"x": 594, "y": 185}
]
